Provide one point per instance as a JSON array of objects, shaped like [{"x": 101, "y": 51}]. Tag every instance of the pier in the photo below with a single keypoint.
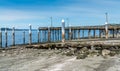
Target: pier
[
  {"x": 74, "y": 33},
  {"x": 62, "y": 34}
]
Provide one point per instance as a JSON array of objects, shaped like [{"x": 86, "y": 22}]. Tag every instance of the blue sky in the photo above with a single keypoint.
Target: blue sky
[{"x": 21, "y": 13}]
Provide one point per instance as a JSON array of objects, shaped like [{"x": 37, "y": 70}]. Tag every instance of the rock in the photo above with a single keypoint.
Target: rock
[
  {"x": 3, "y": 51},
  {"x": 93, "y": 53},
  {"x": 69, "y": 53},
  {"x": 105, "y": 52},
  {"x": 81, "y": 56},
  {"x": 29, "y": 46}
]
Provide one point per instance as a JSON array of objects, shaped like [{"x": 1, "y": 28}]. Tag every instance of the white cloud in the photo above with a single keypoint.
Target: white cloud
[{"x": 14, "y": 15}]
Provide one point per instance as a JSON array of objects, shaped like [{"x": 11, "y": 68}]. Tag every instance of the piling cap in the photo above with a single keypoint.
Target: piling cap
[{"x": 63, "y": 21}]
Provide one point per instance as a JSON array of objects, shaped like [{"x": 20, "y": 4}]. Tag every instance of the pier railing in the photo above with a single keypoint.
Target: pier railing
[{"x": 56, "y": 34}]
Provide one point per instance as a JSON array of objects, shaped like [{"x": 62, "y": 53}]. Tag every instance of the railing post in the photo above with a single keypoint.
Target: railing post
[
  {"x": 0, "y": 38},
  {"x": 13, "y": 36},
  {"x": 30, "y": 34},
  {"x": 63, "y": 31},
  {"x": 6, "y": 37},
  {"x": 23, "y": 37},
  {"x": 49, "y": 34}
]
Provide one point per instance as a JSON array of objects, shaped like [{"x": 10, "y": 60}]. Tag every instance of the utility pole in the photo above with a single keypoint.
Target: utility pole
[
  {"x": 51, "y": 21},
  {"x": 67, "y": 22}
]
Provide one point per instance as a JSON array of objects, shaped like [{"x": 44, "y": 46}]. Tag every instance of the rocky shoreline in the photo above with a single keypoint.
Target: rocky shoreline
[{"x": 69, "y": 56}]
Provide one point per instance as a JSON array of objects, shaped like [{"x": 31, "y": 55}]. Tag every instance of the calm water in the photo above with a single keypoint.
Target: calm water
[{"x": 19, "y": 36}]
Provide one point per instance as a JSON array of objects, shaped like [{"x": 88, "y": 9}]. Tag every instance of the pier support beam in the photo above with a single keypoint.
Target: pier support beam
[
  {"x": 63, "y": 31},
  {"x": 30, "y": 34},
  {"x": 0, "y": 38},
  {"x": 13, "y": 36}
]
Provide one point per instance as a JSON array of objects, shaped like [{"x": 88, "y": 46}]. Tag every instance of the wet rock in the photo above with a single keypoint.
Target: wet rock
[{"x": 105, "y": 52}]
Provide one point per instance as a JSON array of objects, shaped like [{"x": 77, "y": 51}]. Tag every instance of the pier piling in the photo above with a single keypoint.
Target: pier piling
[
  {"x": 63, "y": 31},
  {"x": 23, "y": 37},
  {"x": 49, "y": 34},
  {"x": 6, "y": 39},
  {"x": 30, "y": 34},
  {"x": 38, "y": 36},
  {"x": 89, "y": 31},
  {"x": 13, "y": 36}
]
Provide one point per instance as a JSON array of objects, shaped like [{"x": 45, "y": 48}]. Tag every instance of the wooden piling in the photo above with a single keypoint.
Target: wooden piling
[
  {"x": 106, "y": 30},
  {"x": 0, "y": 38},
  {"x": 89, "y": 31},
  {"x": 55, "y": 35},
  {"x": 113, "y": 33},
  {"x": 70, "y": 33},
  {"x": 49, "y": 34},
  {"x": 117, "y": 33},
  {"x": 23, "y": 37},
  {"x": 58, "y": 35},
  {"x": 13, "y": 36},
  {"x": 78, "y": 34},
  {"x": 30, "y": 34},
  {"x": 6, "y": 39},
  {"x": 100, "y": 33},
  {"x": 45, "y": 33},
  {"x": 106, "y": 26},
  {"x": 82, "y": 33},
  {"x": 94, "y": 33},
  {"x": 63, "y": 31}
]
